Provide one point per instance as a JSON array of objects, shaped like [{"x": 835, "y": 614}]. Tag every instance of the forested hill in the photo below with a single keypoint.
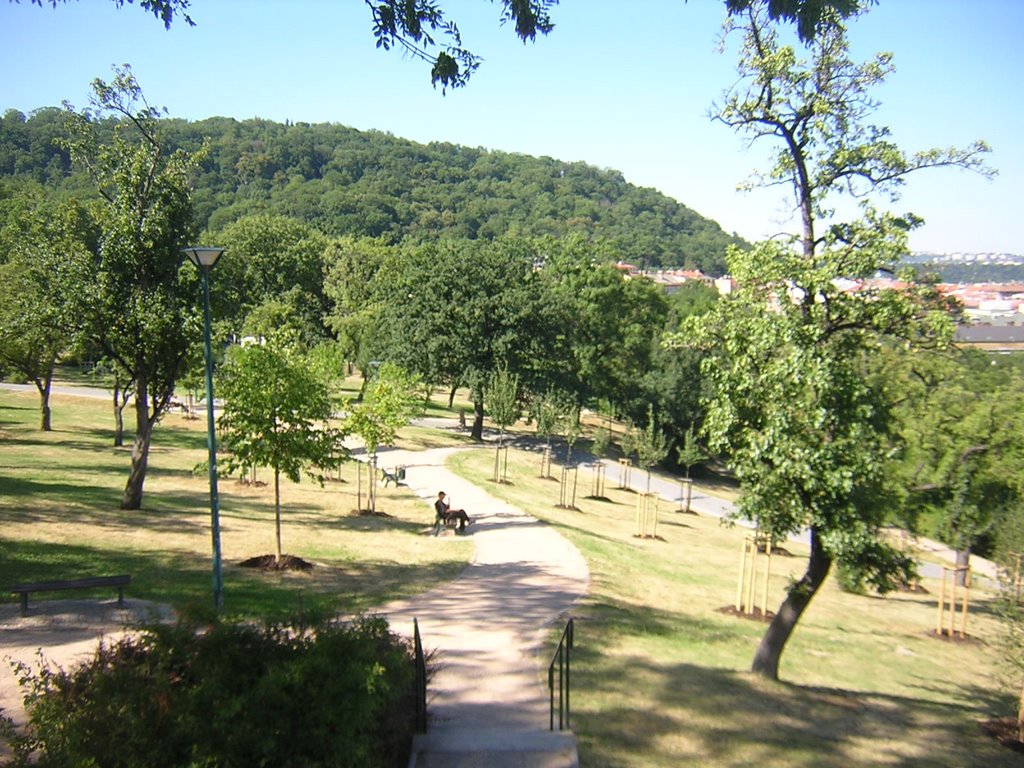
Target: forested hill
[{"x": 346, "y": 181}]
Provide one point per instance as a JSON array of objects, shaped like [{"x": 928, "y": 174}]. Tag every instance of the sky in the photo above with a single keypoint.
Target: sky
[{"x": 620, "y": 85}]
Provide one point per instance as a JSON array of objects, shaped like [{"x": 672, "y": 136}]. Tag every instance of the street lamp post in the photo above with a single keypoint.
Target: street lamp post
[{"x": 204, "y": 258}]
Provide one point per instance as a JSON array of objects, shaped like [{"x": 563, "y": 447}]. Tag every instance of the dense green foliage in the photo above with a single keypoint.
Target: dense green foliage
[
  {"x": 43, "y": 242},
  {"x": 230, "y": 695},
  {"x": 348, "y": 182},
  {"x": 962, "y": 470}
]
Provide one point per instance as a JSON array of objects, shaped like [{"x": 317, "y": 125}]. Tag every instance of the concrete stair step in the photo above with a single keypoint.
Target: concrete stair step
[{"x": 450, "y": 747}]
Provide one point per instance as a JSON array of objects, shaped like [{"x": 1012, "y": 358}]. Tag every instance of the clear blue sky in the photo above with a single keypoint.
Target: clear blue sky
[{"x": 623, "y": 85}]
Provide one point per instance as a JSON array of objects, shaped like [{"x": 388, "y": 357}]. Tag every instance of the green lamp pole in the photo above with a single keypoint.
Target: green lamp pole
[{"x": 204, "y": 258}]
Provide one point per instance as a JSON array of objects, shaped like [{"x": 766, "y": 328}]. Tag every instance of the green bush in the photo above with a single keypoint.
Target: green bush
[{"x": 231, "y": 695}]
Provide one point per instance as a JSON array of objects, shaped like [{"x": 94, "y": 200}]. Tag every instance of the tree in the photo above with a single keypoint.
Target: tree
[
  {"x": 572, "y": 430},
  {"x": 651, "y": 445},
  {"x": 1010, "y": 611},
  {"x": 810, "y": 16},
  {"x": 454, "y": 311},
  {"x": 504, "y": 409},
  {"x": 276, "y": 414},
  {"x": 672, "y": 382},
  {"x": 603, "y": 327},
  {"x": 960, "y": 415},
  {"x": 689, "y": 453},
  {"x": 42, "y": 250},
  {"x": 807, "y": 436},
  {"x": 161, "y": 9},
  {"x": 135, "y": 303},
  {"x": 351, "y": 270},
  {"x": 389, "y": 404},
  {"x": 550, "y": 412},
  {"x": 411, "y": 25},
  {"x": 274, "y": 259}
]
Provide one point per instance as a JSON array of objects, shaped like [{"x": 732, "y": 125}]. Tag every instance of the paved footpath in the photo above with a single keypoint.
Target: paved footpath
[{"x": 488, "y": 701}]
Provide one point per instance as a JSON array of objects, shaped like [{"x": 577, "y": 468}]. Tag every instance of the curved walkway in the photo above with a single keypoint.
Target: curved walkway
[{"x": 489, "y": 627}]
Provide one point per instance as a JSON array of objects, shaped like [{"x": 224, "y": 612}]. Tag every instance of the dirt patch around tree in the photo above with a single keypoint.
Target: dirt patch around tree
[
  {"x": 271, "y": 563},
  {"x": 755, "y": 615},
  {"x": 1005, "y": 731}
]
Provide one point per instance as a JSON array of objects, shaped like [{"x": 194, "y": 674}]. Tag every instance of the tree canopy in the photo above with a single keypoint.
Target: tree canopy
[{"x": 423, "y": 30}]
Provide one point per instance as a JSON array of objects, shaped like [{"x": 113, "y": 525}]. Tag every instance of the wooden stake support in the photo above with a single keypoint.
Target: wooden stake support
[
  {"x": 597, "y": 487},
  {"x": 625, "y": 470},
  {"x": 746, "y": 584},
  {"x": 567, "y": 497},
  {"x": 685, "y": 494},
  {"x": 948, "y": 599},
  {"x": 545, "y": 463},
  {"x": 647, "y": 516}
]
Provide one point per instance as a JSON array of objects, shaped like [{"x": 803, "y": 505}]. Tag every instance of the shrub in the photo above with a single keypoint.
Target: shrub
[{"x": 231, "y": 695}]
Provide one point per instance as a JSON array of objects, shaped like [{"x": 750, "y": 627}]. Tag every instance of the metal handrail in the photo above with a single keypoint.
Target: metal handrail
[
  {"x": 421, "y": 680},
  {"x": 561, "y": 658}
]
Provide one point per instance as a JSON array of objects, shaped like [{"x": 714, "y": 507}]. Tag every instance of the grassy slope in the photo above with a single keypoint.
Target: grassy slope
[{"x": 661, "y": 673}]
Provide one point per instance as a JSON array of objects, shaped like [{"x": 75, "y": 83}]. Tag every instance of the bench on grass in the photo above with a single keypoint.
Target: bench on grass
[
  {"x": 89, "y": 582},
  {"x": 396, "y": 475},
  {"x": 441, "y": 522}
]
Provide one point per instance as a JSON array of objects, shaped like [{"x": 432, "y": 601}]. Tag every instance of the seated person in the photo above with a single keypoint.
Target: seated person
[{"x": 446, "y": 513}]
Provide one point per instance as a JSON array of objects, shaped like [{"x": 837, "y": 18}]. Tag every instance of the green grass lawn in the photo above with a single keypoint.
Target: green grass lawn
[
  {"x": 660, "y": 675},
  {"x": 59, "y": 497}
]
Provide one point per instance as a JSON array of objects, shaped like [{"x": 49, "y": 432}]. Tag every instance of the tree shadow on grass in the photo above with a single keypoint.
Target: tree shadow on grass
[
  {"x": 185, "y": 581},
  {"x": 159, "y": 576},
  {"x": 709, "y": 716},
  {"x": 366, "y": 523},
  {"x": 56, "y": 503}
]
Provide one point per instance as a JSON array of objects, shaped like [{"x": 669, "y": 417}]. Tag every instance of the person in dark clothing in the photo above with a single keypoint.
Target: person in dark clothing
[{"x": 446, "y": 513}]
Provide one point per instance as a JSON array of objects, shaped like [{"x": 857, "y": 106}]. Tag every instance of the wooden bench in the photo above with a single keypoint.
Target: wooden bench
[{"x": 120, "y": 582}]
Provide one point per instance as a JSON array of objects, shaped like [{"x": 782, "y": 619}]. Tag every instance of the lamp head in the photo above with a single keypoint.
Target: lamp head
[{"x": 203, "y": 256}]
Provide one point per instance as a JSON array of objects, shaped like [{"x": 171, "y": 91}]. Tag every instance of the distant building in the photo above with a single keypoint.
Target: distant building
[
  {"x": 991, "y": 338},
  {"x": 672, "y": 279}
]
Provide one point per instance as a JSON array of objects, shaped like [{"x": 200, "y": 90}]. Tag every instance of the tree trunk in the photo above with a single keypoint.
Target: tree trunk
[
  {"x": 359, "y": 487},
  {"x": 769, "y": 652},
  {"x": 477, "y": 432},
  {"x": 963, "y": 560},
  {"x": 371, "y": 492},
  {"x": 451, "y": 396},
  {"x": 132, "y": 498},
  {"x": 44, "y": 401},
  {"x": 497, "y": 456},
  {"x": 118, "y": 416},
  {"x": 1020, "y": 715},
  {"x": 119, "y": 403},
  {"x": 277, "y": 514}
]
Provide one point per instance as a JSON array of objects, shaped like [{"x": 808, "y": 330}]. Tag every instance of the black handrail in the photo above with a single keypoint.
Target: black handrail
[
  {"x": 421, "y": 680},
  {"x": 561, "y": 658}
]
